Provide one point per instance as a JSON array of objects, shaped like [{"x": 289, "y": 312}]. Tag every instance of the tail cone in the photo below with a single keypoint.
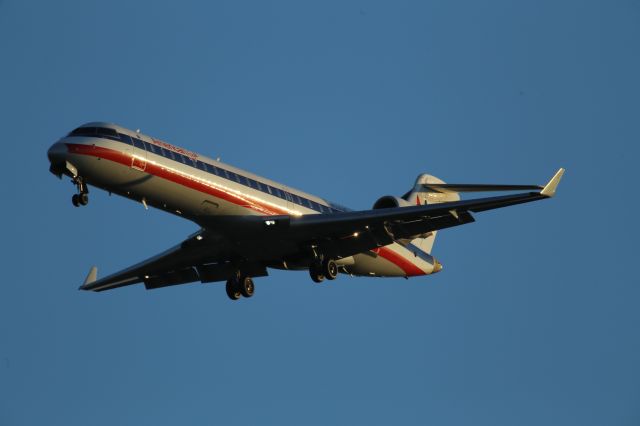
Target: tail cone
[{"x": 437, "y": 266}]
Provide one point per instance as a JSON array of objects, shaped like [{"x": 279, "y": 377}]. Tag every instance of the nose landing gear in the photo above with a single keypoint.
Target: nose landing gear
[{"x": 82, "y": 197}]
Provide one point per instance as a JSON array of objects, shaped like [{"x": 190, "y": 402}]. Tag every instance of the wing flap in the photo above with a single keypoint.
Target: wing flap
[{"x": 181, "y": 276}]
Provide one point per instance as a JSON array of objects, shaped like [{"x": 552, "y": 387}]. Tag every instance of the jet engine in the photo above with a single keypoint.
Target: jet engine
[{"x": 390, "y": 201}]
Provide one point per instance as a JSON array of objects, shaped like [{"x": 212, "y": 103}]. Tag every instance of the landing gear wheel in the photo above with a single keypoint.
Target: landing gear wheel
[
  {"x": 246, "y": 286},
  {"x": 233, "y": 289},
  {"x": 82, "y": 197},
  {"x": 316, "y": 275},
  {"x": 330, "y": 269}
]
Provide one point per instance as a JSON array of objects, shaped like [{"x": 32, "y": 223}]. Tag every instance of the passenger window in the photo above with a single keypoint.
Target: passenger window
[
  {"x": 125, "y": 138},
  {"x": 138, "y": 143}
]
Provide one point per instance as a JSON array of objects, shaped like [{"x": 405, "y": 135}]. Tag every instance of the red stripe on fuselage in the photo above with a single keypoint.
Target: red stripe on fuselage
[
  {"x": 199, "y": 185},
  {"x": 409, "y": 268},
  {"x": 176, "y": 177}
]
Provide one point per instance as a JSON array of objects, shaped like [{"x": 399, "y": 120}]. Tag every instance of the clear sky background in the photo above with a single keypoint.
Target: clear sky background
[{"x": 534, "y": 319}]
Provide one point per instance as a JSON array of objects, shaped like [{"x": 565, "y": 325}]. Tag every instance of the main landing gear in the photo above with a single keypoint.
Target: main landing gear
[
  {"x": 321, "y": 269},
  {"x": 82, "y": 197},
  {"x": 240, "y": 286}
]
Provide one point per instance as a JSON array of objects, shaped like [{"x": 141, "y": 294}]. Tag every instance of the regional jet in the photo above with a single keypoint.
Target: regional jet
[{"x": 248, "y": 224}]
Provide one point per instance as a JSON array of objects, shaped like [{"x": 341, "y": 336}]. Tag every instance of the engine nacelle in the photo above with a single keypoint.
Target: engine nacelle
[{"x": 390, "y": 201}]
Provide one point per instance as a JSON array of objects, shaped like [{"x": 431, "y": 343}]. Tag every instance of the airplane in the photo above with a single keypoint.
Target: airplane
[{"x": 249, "y": 224}]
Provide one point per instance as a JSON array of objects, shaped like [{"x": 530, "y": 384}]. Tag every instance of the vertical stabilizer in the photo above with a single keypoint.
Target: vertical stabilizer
[{"x": 422, "y": 194}]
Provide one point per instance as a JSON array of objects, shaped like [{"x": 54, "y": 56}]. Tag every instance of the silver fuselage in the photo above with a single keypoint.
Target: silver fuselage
[{"x": 195, "y": 187}]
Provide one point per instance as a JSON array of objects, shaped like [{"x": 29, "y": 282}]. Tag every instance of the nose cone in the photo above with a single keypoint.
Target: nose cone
[
  {"x": 57, "y": 157},
  {"x": 57, "y": 153}
]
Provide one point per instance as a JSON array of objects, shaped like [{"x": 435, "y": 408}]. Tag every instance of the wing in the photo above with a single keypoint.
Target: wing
[
  {"x": 195, "y": 259},
  {"x": 226, "y": 245},
  {"x": 268, "y": 238}
]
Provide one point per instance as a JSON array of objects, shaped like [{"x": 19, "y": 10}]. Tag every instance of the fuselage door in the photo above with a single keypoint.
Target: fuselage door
[{"x": 139, "y": 157}]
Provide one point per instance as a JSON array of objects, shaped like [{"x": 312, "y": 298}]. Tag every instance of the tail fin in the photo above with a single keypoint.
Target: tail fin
[{"x": 423, "y": 194}]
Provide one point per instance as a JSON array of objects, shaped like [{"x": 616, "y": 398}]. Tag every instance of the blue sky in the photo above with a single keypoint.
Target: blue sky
[{"x": 534, "y": 319}]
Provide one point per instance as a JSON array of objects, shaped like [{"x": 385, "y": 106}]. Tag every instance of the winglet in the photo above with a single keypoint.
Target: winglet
[
  {"x": 91, "y": 277},
  {"x": 549, "y": 189}
]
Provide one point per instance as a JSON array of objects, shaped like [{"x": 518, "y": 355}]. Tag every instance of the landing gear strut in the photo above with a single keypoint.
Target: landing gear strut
[
  {"x": 82, "y": 197},
  {"x": 239, "y": 286}
]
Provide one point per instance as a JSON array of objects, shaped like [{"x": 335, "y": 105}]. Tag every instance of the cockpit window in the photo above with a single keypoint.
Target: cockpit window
[
  {"x": 84, "y": 131},
  {"x": 105, "y": 131}
]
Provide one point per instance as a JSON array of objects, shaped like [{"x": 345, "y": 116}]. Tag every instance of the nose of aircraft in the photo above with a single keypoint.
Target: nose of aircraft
[
  {"x": 57, "y": 152},
  {"x": 57, "y": 157}
]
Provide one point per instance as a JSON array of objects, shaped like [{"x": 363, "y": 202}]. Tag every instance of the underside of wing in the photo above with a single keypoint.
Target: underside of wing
[{"x": 195, "y": 259}]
